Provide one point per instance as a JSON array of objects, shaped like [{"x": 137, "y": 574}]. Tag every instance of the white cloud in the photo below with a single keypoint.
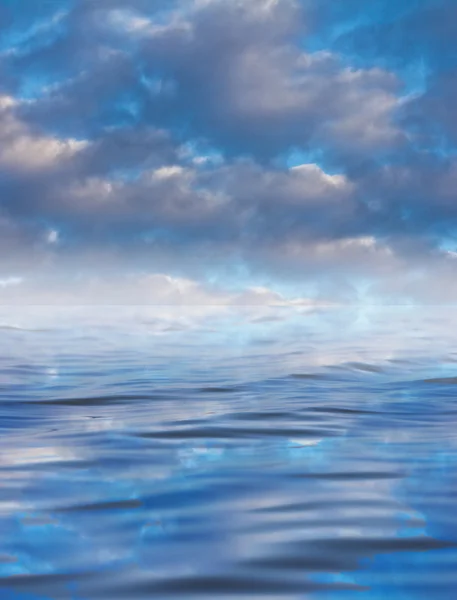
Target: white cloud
[
  {"x": 21, "y": 148},
  {"x": 10, "y": 281},
  {"x": 52, "y": 237},
  {"x": 142, "y": 289},
  {"x": 168, "y": 172}
]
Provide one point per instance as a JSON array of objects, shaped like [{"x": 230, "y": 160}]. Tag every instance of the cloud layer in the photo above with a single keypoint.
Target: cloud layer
[{"x": 286, "y": 145}]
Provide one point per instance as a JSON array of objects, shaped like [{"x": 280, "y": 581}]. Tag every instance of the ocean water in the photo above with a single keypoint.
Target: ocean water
[{"x": 211, "y": 452}]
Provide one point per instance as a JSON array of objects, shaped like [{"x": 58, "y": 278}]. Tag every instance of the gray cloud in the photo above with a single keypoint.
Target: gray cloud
[{"x": 242, "y": 80}]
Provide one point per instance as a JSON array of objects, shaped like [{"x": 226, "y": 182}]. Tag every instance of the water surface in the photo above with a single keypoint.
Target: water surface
[{"x": 194, "y": 453}]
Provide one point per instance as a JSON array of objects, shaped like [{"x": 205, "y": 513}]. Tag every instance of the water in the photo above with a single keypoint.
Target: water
[{"x": 228, "y": 453}]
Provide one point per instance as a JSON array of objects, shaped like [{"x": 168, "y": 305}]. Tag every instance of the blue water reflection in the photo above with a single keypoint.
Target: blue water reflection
[{"x": 251, "y": 453}]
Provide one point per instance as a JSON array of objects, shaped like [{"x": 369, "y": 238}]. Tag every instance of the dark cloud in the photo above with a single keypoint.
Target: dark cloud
[{"x": 242, "y": 80}]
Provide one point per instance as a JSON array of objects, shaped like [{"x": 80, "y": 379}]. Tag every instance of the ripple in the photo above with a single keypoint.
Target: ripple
[
  {"x": 219, "y": 390},
  {"x": 222, "y": 587},
  {"x": 442, "y": 380},
  {"x": 237, "y": 432},
  {"x": 104, "y": 506},
  {"x": 351, "y": 476},
  {"x": 90, "y": 401},
  {"x": 365, "y": 367}
]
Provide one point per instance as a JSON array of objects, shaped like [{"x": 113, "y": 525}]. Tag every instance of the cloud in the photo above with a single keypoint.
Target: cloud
[
  {"x": 415, "y": 40},
  {"x": 142, "y": 289},
  {"x": 241, "y": 79},
  {"x": 8, "y": 281},
  {"x": 256, "y": 144},
  {"x": 22, "y": 148},
  {"x": 233, "y": 72}
]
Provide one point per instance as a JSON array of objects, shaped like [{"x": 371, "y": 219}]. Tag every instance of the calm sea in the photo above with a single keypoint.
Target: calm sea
[{"x": 210, "y": 452}]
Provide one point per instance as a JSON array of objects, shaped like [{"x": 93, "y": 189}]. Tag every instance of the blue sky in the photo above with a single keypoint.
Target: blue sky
[{"x": 228, "y": 151}]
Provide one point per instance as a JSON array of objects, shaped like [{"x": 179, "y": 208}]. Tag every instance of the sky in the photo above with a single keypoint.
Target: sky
[{"x": 214, "y": 152}]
